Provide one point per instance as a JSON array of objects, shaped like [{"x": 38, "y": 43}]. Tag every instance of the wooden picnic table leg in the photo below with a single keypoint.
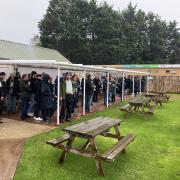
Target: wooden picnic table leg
[
  {"x": 64, "y": 153},
  {"x": 86, "y": 145},
  {"x": 119, "y": 136},
  {"x": 97, "y": 158},
  {"x": 117, "y": 132}
]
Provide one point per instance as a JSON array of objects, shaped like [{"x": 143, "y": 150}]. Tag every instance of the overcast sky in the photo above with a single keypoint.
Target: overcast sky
[{"x": 19, "y": 18}]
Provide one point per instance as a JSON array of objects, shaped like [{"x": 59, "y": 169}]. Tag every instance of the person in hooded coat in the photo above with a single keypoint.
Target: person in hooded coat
[{"x": 47, "y": 99}]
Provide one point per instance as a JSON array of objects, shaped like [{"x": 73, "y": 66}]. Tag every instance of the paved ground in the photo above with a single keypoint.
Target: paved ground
[{"x": 12, "y": 137}]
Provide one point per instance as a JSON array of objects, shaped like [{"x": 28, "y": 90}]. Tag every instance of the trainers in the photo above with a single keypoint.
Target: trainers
[
  {"x": 30, "y": 114},
  {"x": 38, "y": 119}
]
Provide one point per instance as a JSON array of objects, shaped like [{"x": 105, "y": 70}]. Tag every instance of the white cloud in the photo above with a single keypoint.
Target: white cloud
[{"x": 19, "y": 18}]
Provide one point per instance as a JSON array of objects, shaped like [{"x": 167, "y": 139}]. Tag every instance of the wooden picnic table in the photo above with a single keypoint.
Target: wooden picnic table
[
  {"x": 89, "y": 130},
  {"x": 139, "y": 103},
  {"x": 156, "y": 97}
]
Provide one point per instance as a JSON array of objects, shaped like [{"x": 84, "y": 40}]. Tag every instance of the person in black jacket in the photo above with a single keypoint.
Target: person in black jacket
[
  {"x": 32, "y": 79},
  {"x": 105, "y": 83},
  {"x": 97, "y": 84},
  {"x": 12, "y": 86},
  {"x": 2, "y": 91},
  {"x": 89, "y": 88},
  {"x": 37, "y": 86},
  {"x": 47, "y": 99},
  {"x": 25, "y": 94}
]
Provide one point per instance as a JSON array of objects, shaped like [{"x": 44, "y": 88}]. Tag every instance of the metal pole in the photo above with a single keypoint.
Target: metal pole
[
  {"x": 58, "y": 96},
  {"x": 133, "y": 86},
  {"x": 122, "y": 98},
  {"x": 107, "y": 93},
  {"x": 147, "y": 89},
  {"x": 140, "y": 85},
  {"x": 84, "y": 94}
]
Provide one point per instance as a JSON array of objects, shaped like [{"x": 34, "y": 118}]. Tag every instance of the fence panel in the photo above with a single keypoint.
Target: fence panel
[{"x": 165, "y": 83}]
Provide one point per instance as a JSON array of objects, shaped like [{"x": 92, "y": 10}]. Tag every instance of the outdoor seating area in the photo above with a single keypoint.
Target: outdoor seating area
[
  {"x": 89, "y": 90},
  {"x": 84, "y": 146}
]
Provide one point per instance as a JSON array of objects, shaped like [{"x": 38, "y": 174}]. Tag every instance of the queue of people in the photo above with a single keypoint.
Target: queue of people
[{"x": 38, "y": 94}]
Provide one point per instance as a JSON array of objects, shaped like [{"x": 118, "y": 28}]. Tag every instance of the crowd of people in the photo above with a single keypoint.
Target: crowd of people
[{"x": 38, "y": 93}]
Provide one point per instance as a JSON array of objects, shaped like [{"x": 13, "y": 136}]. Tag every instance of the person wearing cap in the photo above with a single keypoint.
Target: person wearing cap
[
  {"x": 66, "y": 91},
  {"x": 12, "y": 86},
  {"x": 32, "y": 79},
  {"x": 2, "y": 91}
]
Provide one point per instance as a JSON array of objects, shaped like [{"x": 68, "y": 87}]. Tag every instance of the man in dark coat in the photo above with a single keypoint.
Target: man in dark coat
[
  {"x": 105, "y": 83},
  {"x": 89, "y": 88},
  {"x": 2, "y": 91},
  {"x": 66, "y": 93},
  {"x": 37, "y": 88},
  {"x": 97, "y": 84},
  {"x": 47, "y": 99},
  {"x": 12, "y": 86},
  {"x": 25, "y": 94},
  {"x": 32, "y": 98}
]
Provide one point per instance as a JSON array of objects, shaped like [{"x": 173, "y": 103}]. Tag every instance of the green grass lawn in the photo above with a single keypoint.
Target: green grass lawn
[{"x": 154, "y": 155}]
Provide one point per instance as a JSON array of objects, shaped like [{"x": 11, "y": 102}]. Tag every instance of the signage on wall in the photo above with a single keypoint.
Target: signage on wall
[{"x": 143, "y": 66}]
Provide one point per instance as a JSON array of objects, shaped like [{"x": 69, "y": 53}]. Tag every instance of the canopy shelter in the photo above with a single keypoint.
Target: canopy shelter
[{"x": 61, "y": 66}]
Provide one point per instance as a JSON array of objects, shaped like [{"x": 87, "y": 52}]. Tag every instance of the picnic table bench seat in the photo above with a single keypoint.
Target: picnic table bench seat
[
  {"x": 58, "y": 140},
  {"x": 120, "y": 146},
  {"x": 125, "y": 107},
  {"x": 151, "y": 111}
]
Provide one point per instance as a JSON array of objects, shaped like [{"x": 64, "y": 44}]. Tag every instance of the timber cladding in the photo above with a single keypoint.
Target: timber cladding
[{"x": 169, "y": 84}]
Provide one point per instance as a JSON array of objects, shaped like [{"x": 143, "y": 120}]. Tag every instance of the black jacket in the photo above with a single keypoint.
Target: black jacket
[
  {"x": 25, "y": 88},
  {"x": 89, "y": 87},
  {"x": 37, "y": 91},
  {"x": 16, "y": 89},
  {"x": 47, "y": 99},
  {"x": 97, "y": 83},
  {"x": 3, "y": 89},
  {"x": 105, "y": 85}
]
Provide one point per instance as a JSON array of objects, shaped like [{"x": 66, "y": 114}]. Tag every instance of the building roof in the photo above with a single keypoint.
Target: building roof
[{"x": 16, "y": 51}]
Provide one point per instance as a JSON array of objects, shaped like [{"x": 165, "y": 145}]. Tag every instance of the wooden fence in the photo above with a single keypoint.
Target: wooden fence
[{"x": 165, "y": 83}]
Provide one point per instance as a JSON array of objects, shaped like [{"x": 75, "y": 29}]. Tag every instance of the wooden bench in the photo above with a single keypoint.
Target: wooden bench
[
  {"x": 151, "y": 111},
  {"x": 167, "y": 97},
  {"x": 119, "y": 147},
  {"x": 126, "y": 108},
  {"x": 59, "y": 140}
]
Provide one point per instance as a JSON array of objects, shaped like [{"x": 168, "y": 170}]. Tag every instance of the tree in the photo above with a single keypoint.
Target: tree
[{"x": 88, "y": 33}]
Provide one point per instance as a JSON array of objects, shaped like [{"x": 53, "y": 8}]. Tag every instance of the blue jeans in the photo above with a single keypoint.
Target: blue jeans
[
  {"x": 11, "y": 103},
  {"x": 32, "y": 103},
  {"x": 105, "y": 97},
  {"x": 88, "y": 102},
  {"x": 25, "y": 107}
]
